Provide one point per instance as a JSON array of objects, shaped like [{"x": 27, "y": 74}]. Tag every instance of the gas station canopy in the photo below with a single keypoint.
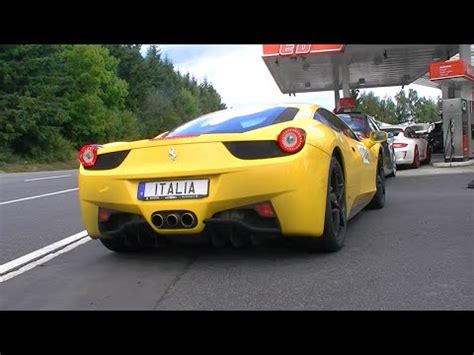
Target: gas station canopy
[
  {"x": 331, "y": 67},
  {"x": 310, "y": 68}
]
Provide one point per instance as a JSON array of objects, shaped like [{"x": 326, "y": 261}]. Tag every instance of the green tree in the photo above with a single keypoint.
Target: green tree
[
  {"x": 388, "y": 109},
  {"x": 426, "y": 110},
  {"x": 370, "y": 104},
  {"x": 403, "y": 110},
  {"x": 397, "y": 111},
  {"x": 164, "y": 97},
  {"x": 355, "y": 93},
  {"x": 131, "y": 69},
  {"x": 157, "y": 113},
  {"x": 32, "y": 86},
  {"x": 187, "y": 105},
  {"x": 94, "y": 95}
]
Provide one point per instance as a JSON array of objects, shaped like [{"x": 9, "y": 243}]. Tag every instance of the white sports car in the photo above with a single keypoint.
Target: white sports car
[{"x": 410, "y": 148}]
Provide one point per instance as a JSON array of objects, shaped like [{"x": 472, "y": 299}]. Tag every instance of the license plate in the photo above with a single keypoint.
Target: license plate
[{"x": 170, "y": 190}]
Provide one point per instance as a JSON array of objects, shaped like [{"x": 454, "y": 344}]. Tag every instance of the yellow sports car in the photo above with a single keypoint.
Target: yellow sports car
[{"x": 234, "y": 176}]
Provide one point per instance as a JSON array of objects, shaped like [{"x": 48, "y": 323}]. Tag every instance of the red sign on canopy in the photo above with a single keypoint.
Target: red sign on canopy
[
  {"x": 276, "y": 50},
  {"x": 450, "y": 70}
]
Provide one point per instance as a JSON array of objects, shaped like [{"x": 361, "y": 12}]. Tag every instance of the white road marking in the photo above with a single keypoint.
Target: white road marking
[
  {"x": 38, "y": 196},
  {"x": 48, "y": 178},
  {"x": 43, "y": 260},
  {"x": 28, "y": 258}
]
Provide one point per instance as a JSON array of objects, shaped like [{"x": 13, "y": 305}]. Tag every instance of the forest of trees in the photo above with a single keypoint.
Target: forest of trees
[
  {"x": 55, "y": 98},
  {"x": 400, "y": 109}
]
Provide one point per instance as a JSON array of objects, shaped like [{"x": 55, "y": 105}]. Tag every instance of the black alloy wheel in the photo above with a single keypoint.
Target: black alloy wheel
[
  {"x": 378, "y": 201},
  {"x": 335, "y": 221}
]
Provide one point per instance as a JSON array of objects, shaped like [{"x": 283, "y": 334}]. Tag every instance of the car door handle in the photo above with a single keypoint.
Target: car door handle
[{"x": 353, "y": 149}]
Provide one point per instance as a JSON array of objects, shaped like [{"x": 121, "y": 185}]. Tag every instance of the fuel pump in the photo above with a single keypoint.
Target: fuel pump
[
  {"x": 448, "y": 142},
  {"x": 456, "y": 131}
]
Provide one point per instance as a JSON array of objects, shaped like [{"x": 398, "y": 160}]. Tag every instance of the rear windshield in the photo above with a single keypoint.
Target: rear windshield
[
  {"x": 236, "y": 120},
  {"x": 356, "y": 122}
]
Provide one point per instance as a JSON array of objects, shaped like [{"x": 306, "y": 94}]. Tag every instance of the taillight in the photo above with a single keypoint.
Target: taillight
[
  {"x": 104, "y": 214},
  {"x": 399, "y": 145},
  {"x": 88, "y": 155},
  {"x": 291, "y": 139},
  {"x": 265, "y": 209}
]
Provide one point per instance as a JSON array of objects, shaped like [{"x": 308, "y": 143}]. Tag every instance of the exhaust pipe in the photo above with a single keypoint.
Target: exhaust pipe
[
  {"x": 187, "y": 220},
  {"x": 157, "y": 219},
  {"x": 172, "y": 220}
]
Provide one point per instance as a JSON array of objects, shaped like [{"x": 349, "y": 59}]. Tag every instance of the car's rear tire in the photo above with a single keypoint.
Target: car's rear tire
[
  {"x": 127, "y": 242},
  {"x": 428, "y": 155},
  {"x": 335, "y": 220},
  {"x": 219, "y": 238},
  {"x": 378, "y": 201},
  {"x": 394, "y": 170},
  {"x": 115, "y": 244},
  {"x": 119, "y": 245},
  {"x": 416, "y": 158}
]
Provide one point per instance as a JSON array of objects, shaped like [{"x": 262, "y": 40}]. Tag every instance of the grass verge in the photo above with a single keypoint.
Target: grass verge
[{"x": 29, "y": 166}]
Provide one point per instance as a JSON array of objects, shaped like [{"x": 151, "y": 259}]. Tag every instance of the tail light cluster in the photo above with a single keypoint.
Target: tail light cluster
[
  {"x": 291, "y": 140},
  {"x": 264, "y": 209},
  {"x": 91, "y": 161},
  {"x": 88, "y": 155},
  {"x": 399, "y": 145}
]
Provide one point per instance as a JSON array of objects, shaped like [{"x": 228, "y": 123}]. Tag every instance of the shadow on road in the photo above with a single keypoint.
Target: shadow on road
[{"x": 279, "y": 248}]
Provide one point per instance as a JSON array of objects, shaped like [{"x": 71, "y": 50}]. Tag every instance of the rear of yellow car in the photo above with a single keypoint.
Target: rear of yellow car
[
  {"x": 264, "y": 179},
  {"x": 285, "y": 182},
  {"x": 181, "y": 185}
]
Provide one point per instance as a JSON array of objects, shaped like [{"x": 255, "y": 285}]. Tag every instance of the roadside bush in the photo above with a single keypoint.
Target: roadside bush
[{"x": 6, "y": 155}]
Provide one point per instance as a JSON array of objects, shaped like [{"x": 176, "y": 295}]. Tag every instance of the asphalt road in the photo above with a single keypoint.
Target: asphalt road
[
  {"x": 416, "y": 253},
  {"x": 28, "y": 225}
]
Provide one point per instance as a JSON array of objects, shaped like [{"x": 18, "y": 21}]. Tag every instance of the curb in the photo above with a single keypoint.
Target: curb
[{"x": 453, "y": 164}]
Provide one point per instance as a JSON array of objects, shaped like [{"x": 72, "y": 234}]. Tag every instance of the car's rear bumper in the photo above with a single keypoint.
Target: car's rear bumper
[
  {"x": 404, "y": 156},
  {"x": 295, "y": 185}
]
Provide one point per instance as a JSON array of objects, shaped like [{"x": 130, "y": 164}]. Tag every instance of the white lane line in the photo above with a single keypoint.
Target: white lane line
[
  {"x": 43, "y": 260},
  {"x": 47, "y": 178},
  {"x": 19, "y": 262},
  {"x": 38, "y": 196}
]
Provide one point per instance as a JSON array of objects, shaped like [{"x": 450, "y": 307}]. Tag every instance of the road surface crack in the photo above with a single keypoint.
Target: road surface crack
[{"x": 175, "y": 281}]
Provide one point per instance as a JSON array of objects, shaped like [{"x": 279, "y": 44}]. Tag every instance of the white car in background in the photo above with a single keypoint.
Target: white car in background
[{"x": 410, "y": 148}]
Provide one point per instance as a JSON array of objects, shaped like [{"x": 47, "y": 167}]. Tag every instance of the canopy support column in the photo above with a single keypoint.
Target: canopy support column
[
  {"x": 346, "y": 90},
  {"x": 335, "y": 76}
]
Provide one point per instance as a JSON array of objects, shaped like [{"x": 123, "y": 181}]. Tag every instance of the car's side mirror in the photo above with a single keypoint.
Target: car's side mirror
[
  {"x": 374, "y": 138},
  {"x": 378, "y": 136},
  {"x": 390, "y": 135}
]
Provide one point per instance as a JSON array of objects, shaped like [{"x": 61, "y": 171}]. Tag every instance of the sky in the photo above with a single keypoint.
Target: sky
[{"x": 240, "y": 76}]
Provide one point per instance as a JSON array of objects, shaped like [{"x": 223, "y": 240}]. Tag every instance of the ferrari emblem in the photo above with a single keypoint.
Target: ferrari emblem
[{"x": 172, "y": 154}]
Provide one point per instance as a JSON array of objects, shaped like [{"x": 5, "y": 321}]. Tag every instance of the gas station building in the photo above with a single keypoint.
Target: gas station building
[{"x": 298, "y": 68}]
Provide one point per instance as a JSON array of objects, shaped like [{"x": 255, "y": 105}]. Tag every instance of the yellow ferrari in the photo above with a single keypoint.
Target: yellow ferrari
[{"x": 234, "y": 176}]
